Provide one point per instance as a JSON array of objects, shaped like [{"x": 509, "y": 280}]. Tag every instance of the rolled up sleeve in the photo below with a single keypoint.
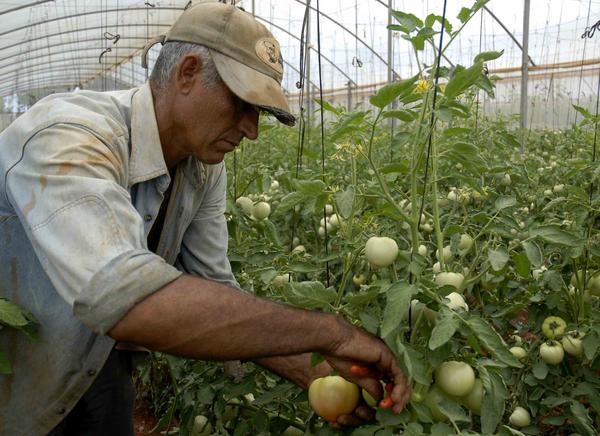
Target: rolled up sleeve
[{"x": 68, "y": 189}]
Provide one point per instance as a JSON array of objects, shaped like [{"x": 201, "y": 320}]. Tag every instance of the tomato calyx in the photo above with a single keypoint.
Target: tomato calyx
[{"x": 553, "y": 326}]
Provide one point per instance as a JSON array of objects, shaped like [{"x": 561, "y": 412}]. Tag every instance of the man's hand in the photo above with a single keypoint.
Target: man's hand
[{"x": 360, "y": 349}]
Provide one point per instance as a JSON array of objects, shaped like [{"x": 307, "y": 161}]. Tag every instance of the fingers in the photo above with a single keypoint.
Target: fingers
[
  {"x": 361, "y": 415},
  {"x": 369, "y": 381}
]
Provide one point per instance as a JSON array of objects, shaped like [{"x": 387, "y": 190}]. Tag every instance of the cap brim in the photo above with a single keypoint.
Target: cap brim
[{"x": 254, "y": 87}]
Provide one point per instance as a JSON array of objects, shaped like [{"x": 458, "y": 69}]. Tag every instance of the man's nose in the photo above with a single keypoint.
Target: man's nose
[{"x": 249, "y": 123}]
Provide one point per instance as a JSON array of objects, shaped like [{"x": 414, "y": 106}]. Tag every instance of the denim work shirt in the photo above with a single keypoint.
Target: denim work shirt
[{"x": 82, "y": 178}]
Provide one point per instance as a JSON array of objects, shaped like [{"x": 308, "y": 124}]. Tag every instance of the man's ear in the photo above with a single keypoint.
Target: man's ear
[{"x": 187, "y": 72}]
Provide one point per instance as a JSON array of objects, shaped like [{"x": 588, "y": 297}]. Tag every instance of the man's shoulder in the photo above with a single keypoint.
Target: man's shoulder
[{"x": 106, "y": 114}]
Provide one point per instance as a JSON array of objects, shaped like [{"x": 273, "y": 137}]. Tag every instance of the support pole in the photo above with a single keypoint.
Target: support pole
[
  {"x": 525, "y": 71},
  {"x": 307, "y": 89},
  {"x": 349, "y": 94}
]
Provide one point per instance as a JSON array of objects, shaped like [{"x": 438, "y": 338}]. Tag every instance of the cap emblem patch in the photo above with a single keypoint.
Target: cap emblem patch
[{"x": 267, "y": 49}]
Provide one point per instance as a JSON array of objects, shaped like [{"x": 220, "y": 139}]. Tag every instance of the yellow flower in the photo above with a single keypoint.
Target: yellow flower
[{"x": 422, "y": 86}]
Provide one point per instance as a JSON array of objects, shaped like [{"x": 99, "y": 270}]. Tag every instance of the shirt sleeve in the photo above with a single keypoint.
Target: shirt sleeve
[
  {"x": 68, "y": 190},
  {"x": 204, "y": 246}
]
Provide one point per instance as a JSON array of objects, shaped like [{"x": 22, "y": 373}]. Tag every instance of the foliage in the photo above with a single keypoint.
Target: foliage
[{"x": 533, "y": 217}]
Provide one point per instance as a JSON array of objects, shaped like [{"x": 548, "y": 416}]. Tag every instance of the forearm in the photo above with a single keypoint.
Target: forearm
[{"x": 201, "y": 319}]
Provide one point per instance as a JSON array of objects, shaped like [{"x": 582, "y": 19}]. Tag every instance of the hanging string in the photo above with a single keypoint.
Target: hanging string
[
  {"x": 478, "y": 92},
  {"x": 433, "y": 118},
  {"x": 587, "y": 30},
  {"x": 323, "y": 178},
  {"x": 301, "y": 120},
  {"x": 595, "y": 137},
  {"x": 300, "y": 85},
  {"x": 432, "y": 126}
]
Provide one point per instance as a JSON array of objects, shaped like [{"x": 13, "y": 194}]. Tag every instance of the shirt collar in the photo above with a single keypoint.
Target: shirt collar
[{"x": 146, "y": 161}]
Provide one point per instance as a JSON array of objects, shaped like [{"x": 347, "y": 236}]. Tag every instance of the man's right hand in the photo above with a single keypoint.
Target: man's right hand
[{"x": 358, "y": 348}]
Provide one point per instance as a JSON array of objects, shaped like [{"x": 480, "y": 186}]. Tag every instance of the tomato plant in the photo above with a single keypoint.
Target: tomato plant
[{"x": 520, "y": 254}]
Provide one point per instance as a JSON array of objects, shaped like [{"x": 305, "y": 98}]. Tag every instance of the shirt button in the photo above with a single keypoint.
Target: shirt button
[
  {"x": 62, "y": 411},
  {"x": 91, "y": 372},
  {"x": 147, "y": 217}
]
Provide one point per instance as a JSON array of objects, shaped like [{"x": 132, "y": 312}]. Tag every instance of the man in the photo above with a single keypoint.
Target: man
[{"x": 112, "y": 231}]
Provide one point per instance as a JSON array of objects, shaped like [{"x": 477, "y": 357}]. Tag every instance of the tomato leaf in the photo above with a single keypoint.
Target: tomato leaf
[
  {"x": 462, "y": 79},
  {"x": 492, "y": 406},
  {"x": 11, "y": 314},
  {"x": 488, "y": 56},
  {"x": 498, "y": 258},
  {"x": 392, "y": 91},
  {"x": 591, "y": 343},
  {"x": 309, "y": 295},
  {"x": 443, "y": 330},
  {"x": 492, "y": 341},
  {"x": 581, "y": 419},
  {"x": 555, "y": 235},
  {"x": 398, "y": 301},
  {"x": 439, "y": 429},
  {"x": 452, "y": 410},
  {"x": 504, "y": 202},
  {"x": 522, "y": 264},
  {"x": 344, "y": 201},
  {"x": 540, "y": 370},
  {"x": 534, "y": 253},
  {"x": 414, "y": 362}
]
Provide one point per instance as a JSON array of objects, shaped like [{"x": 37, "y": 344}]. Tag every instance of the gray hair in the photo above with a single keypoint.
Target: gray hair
[{"x": 170, "y": 55}]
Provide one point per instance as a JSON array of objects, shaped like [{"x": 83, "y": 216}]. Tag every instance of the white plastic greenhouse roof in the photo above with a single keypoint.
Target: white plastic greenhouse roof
[{"x": 61, "y": 44}]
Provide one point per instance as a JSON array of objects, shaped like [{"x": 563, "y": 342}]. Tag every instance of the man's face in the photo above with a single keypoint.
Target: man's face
[{"x": 211, "y": 120}]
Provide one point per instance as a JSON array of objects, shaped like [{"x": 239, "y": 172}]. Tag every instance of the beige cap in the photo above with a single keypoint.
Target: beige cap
[{"x": 246, "y": 54}]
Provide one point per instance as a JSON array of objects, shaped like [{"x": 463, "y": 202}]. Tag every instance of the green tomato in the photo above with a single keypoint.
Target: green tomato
[
  {"x": 554, "y": 326},
  {"x": 201, "y": 426},
  {"x": 280, "y": 280},
  {"x": 572, "y": 344},
  {"x": 446, "y": 253},
  {"x": 261, "y": 210},
  {"x": 371, "y": 402},
  {"x": 449, "y": 279},
  {"x": 382, "y": 251},
  {"x": 455, "y": 378},
  {"x": 465, "y": 243},
  {"x": 292, "y": 431},
  {"x": 359, "y": 279},
  {"x": 246, "y": 204},
  {"x": 474, "y": 398},
  {"x": 332, "y": 396},
  {"x": 520, "y": 417},
  {"x": 552, "y": 352},
  {"x": 455, "y": 301},
  {"x": 519, "y": 352}
]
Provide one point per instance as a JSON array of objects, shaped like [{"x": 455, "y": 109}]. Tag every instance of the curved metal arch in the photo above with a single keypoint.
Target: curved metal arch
[
  {"x": 82, "y": 14},
  {"x": 96, "y": 39},
  {"x": 48, "y": 84},
  {"x": 16, "y": 8},
  {"x": 351, "y": 33},
  {"x": 65, "y": 32},
  {"x": 46, "y": 55},
  {"x": 54, "y": 61},
  {"x": 56, "y": 68}
]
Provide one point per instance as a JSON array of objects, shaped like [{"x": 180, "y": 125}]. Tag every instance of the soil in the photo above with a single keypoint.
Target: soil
[{"x": 143, "y": 420}]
